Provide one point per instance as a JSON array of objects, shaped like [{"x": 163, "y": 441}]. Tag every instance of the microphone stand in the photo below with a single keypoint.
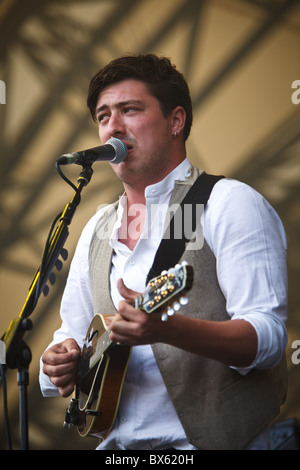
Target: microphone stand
[{"x": 18, "y": 354}]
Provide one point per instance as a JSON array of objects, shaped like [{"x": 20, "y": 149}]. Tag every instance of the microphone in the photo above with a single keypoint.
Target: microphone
[{"x": 114, "y": 151}]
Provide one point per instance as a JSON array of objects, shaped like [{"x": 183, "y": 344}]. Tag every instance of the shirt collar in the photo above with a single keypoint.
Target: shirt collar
[
  {"x": 167, "y": 184},
  {"x": 156, "y": 190}
]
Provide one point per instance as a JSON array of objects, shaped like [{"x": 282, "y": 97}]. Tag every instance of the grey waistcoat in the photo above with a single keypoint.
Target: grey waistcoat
[{"x": 218, "y": 407}]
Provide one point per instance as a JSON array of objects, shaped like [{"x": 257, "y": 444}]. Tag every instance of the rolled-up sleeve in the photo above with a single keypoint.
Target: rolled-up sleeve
[{"x": 248, "y": 240}]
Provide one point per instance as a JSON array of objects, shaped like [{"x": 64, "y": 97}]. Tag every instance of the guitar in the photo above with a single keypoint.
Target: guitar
[{"x": 102, "y": 365}]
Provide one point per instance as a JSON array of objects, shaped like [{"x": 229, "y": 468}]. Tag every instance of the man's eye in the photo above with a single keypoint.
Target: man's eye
[
  {"x": 130, "y": 110},
  {"x": 102, "y": 117}
]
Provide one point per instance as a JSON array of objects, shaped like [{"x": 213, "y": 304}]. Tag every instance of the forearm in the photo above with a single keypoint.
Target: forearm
[{"x": 232, "y": 342}]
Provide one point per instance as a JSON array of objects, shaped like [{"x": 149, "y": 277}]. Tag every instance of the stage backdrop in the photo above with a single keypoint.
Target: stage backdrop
[{"x": 242, "y": 61}]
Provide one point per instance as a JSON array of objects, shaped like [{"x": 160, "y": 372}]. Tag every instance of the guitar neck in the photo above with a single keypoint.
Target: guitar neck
[
  {"x": 164, "y": 294},
  {"x": 102, "y": 345},
  {"x": 159, "y": 292}
]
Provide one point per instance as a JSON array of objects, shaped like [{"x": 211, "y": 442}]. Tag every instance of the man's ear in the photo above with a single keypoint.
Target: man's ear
[{"x": 179, "y": 117}]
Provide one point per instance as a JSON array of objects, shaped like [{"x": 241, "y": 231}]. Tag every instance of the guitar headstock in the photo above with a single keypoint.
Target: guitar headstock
[{"x": 167, "y": 291}]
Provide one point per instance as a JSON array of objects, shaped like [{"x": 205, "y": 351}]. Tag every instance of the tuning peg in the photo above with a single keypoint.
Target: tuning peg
[
  {"x": 183, "y": 300},
  {"x": 46, "y": 290},
  {"x": 64, "y": 254},
  {"x": 164, "y": 273},
  {"x": 164, "y": 316},
  {"x": 52, "y": 279},
  {"x": 184, "y": 263},
  {"x": 58, "y": 265},
  {"x": 176, "y": 306},
  {"x": 170, "y": 311}
]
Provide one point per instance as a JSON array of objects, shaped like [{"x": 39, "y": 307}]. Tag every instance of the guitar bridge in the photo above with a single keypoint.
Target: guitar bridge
[
  {"x": 72, "y": 414},
  {"x": 93, "y": 413}
]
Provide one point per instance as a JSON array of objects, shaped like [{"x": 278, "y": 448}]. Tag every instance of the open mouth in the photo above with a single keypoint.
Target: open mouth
[{"x": 129, "y": 146}]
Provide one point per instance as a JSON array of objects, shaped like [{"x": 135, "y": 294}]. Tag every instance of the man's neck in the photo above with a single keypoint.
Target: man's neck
[
  {"x": 135, "y": 195},
  {"x": 135, "y": 210},
  {"x": 136, "y": 192}
]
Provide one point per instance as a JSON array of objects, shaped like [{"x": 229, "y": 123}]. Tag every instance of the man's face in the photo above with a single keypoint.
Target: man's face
[{"x": 127, "y": 111}]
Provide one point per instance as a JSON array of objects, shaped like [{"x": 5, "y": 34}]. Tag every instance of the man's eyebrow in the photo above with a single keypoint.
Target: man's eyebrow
[{"x": 120, "y": 104}]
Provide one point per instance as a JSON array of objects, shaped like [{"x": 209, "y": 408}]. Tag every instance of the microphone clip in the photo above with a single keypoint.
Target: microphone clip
[{"x": 86, "y": 174}]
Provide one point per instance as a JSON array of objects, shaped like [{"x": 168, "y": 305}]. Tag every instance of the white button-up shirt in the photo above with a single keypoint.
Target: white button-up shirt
[{"x": 248, "y": 241}]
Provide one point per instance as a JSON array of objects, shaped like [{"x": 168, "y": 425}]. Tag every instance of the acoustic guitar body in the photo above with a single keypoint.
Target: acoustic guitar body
[
  {"x": 99, "y": 391},
  {"x": 103, "y": 363}
]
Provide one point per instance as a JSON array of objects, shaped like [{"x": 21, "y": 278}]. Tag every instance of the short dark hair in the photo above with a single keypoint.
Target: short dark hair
[{"x": 163, "y": 80}]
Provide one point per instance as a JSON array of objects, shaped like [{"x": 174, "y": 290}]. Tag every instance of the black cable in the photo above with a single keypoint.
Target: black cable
[
  {"x": 48, "y": 241},
  {"x": 6, "y": 419},
  {"x": 61, "y": 174},
  {"x": 37, "y": 292},
  {"x": 44, "y": 258}
]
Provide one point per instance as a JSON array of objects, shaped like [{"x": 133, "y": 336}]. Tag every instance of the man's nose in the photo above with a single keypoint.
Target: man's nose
[{"x": 116, "y": 125}]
